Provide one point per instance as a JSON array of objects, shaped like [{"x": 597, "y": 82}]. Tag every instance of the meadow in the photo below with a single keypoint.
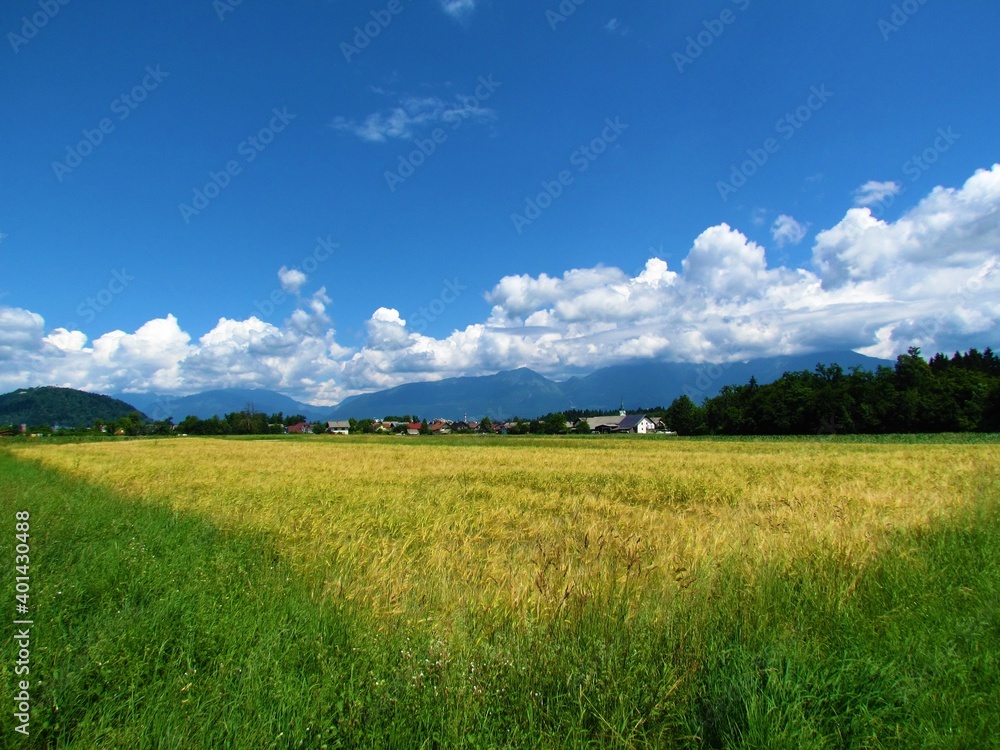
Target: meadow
[{"x": 510, "y": 592}]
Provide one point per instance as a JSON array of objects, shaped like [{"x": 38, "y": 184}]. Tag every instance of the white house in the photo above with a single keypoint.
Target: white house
[
  {"x": 640, "y": 424},
  {"x": 338, "y": 428}
]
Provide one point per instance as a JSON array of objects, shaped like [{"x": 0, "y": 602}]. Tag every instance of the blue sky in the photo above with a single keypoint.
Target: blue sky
[{"x": 336, "y": 197}]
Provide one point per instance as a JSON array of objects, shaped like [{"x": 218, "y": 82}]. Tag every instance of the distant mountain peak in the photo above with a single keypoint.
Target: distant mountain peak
[{"x": 526, "y": 393}]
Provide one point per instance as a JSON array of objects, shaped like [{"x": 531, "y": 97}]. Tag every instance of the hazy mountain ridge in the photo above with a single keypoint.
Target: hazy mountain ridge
[
  {"x": 522, "y": 392},
  {"x": 504, "y": 394},
  {"x": 659, "y": 383},
  {"x": 221, "y": 402},
  {"x": 526, "y": 393}
]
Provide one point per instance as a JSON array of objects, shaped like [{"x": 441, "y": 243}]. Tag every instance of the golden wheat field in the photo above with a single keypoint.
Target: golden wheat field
[{"x": 430, "y": 527}]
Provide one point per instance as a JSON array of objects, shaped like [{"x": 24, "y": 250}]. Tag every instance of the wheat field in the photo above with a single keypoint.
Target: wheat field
[
  {"x": 538, "y": 526},
  {"x": 520, "y": 592}
]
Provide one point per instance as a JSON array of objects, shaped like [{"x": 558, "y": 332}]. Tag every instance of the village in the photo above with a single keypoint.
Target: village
[{"x": 622, "y": 423}]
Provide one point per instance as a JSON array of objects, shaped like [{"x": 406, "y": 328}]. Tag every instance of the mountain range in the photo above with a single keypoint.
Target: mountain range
[
  {"x": 527, "y": 394},
  {"x": 522, "y": 392},
  {"x": 221, "y": 402}
]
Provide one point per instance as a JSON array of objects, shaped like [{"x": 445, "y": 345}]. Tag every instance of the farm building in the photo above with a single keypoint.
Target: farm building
[
  {"x": 636, "y": 423},
  {"x": 604, "y": 424}
]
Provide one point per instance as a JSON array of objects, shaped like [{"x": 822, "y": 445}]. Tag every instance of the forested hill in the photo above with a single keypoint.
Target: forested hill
[
  {"x": 63, "y": 407},
  {"x": 945, "y": 394}
]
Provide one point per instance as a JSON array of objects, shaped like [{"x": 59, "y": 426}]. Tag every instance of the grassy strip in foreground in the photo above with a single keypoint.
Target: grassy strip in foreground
[{"x": 154, "y": 629}]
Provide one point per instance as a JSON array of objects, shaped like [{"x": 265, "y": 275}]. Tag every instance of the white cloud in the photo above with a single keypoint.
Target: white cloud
[
  {"x": 458, "y": 8},
  {"x": 20, "y": 330},
  {"x": 311, "y": 318},
  {"x": 386, "y": 330},
  {"x": 787, "y": 231},
  {"x": 873, "y": 192},
  {"x": 67, "y": 341},
  {"x": 930, "y": 279},
  {"x": 611, "y": 25},
  {"x": 412, "y": 116},
  {"x": 519, "y": 295},
  {"x": 725, "y": 265},
  {"x": 656, "y": 274},
  {"x": 292, "y": 280},
  {"x": 949, "y": 229}
]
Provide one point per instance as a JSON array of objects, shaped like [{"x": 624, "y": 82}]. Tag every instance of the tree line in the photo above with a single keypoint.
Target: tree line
[
  {"x": 960, "y": 393},
  {"x": 246, "y": 422}
]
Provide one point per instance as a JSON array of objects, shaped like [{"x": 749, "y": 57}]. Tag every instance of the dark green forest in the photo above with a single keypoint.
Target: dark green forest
[
  {"x": 64, "y": 407},
  {"x": 960, "y": 393}
]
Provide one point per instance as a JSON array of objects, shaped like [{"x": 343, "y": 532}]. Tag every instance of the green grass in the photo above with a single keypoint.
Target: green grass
[{"x": 158, "y": 630}]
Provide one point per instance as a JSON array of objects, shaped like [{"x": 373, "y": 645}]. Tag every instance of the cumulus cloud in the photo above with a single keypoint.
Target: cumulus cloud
[
  {"x": 413, "y": 115},
  {"x": 20, "y": 331},
  {"x": 787, "y": 231},
  {"x": 292, "y": 280},
  {"x": 300, "y": 357},
  {"x": 67, "y": 341},
  {"x": 874, "y": 192},
  {"x": 386, "y": 330},
  {"x": 930, "y": 279},
  {"x": 724, "y": 265},
  {"x": 949, "y": 230}
]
